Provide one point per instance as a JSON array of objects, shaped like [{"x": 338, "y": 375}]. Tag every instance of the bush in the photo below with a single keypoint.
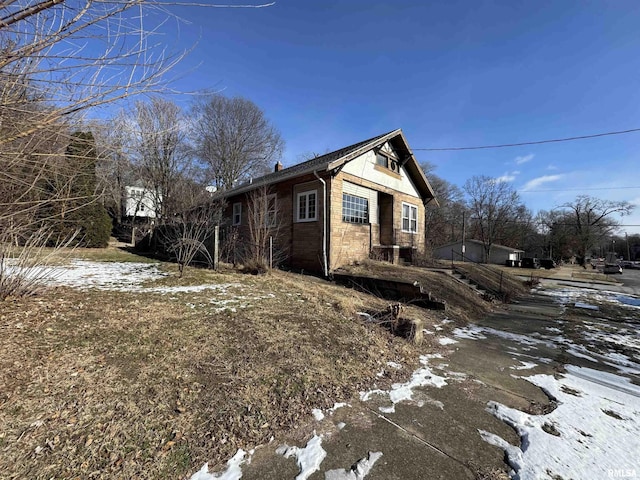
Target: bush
[{"x": 96, "y": 226}]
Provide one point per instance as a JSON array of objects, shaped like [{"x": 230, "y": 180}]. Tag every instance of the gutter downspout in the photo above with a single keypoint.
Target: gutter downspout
[{"x": 325, "y": 265}]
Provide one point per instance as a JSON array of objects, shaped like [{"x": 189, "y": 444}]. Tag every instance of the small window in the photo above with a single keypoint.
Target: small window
[
  {"x": 355, "y": 209},
  {"x": 142, "y": 207},
  {"x": 237, "y": 214},
  {"x": 386, "y": 161},
  {"x": 409, "y": 218},
  {"x": 382, "y": 160},
  {"x": 307, "y": 206}
]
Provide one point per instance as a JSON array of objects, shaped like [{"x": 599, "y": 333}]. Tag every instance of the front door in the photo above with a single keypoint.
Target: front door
[{"x": 385, "y": 218}]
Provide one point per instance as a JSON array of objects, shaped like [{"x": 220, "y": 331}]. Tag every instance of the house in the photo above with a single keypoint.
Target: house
[
  {"x": 474, "y": 251},
  {"x": 362, "y": 200},
  {"x": 139, "y": 202}
]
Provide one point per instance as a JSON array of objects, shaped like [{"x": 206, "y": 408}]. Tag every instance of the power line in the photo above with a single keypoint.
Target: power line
[
  {"x": 537, "y": 142},
  {"x": 578, "y": 189}
]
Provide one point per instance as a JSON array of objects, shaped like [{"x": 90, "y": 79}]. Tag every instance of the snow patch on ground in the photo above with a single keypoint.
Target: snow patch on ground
[
  {"x": 590, "y": 433},
  {"x": 446, "y": 341},
  {"x": 308, "y": 458},
  {"x": 579, "y": 352},
  {"x": 336, "y": 406},
  {"x": 471, "y": 332},
  {"x": 404, "y": 391},
  {"x": 119, "y": 276},
  {"x": 524, "y": 366},
  {"x": 233, "y": 471},
  {"x": 358, "y": 471}
]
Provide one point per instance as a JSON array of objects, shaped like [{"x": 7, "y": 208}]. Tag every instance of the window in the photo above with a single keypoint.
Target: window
[
  {"x": 237, "y": 214},
  {"x": 409, "y": 218},
  {"x": 270, "y": 214},
  {"x": 355, "y": 209},
  {"x": 307, "y": 206},
  {"x": 387, "y": 161}
]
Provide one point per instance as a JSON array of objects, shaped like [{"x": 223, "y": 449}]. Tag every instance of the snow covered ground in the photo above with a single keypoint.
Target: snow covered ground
[
  {"x": 593, "y": 433},
  {"x": 135, "y": 277}
]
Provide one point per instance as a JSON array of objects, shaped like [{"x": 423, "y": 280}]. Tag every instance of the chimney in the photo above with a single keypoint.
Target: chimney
[{"x": 278, "y": 167}]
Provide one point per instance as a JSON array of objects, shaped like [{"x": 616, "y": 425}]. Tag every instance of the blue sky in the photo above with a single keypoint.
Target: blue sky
[{"x": 450, "y": 74}]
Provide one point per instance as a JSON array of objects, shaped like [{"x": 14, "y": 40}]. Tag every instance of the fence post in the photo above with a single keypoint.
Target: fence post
[
  {"x": 216, "y": 247},
  {"x": 270, "y": 253},
  {"x": 501, "y": 274}
]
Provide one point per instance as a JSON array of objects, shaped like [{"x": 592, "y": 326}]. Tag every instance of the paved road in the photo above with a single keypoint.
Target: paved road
[
  {"x": 629, "y": 282},
  {"x": 631, "y": 279}
]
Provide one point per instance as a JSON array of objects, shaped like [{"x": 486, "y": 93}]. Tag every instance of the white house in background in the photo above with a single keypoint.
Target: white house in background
[
  {"x": 475, "y": 252},
  {"x": 139, "y": 202}
]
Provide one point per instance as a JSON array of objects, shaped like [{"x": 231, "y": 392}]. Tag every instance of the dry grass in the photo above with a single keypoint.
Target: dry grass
[
  {"x": 121, "y": 385},
  {"x": 494, "y": 279}
]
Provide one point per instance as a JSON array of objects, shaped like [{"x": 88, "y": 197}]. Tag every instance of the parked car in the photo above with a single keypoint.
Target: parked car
[
  {"x": 528, "y": 262},
  {"x": 547, "y": 263},
  {"x": 627, "y": 264},
  {"x": 612, "y": 268}
]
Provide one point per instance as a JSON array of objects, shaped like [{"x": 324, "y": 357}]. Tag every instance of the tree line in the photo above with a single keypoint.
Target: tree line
[{"x": 492, "y": 211}]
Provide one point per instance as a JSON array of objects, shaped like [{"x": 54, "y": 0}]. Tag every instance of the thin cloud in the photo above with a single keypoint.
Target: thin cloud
[
  {"x": 524, "y": 159},
  {"x": 538, "y": 182},
  {"x": 507, "y": 177}
]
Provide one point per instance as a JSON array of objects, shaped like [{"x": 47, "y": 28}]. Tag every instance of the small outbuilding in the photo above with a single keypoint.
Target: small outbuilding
[{"x": 475, "y": 251}]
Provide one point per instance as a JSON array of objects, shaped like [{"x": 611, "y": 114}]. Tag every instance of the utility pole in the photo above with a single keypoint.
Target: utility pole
[
  {"x": 626, "y": 238},
  {"x": 463, "y": 234}
]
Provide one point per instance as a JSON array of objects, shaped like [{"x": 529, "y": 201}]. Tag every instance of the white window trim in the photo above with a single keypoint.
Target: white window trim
[
  {"x": 306, "y": 194},
  {"x": 411, "y": 208},
  {"x": 233, "y": 215}
]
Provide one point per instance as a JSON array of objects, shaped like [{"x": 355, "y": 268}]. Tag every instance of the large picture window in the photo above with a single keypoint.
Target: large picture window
[
  {"x": 409, "y": 218},
  {"x": 355, "y": 209},
  {"x": 307, "y": 206}
]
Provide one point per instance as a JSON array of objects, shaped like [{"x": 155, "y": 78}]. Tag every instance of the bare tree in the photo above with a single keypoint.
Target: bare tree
[
  {"x": 492, "y": 204},
  {"x": 159, "y": 151},
  {"x": 443, "y": 223},
  {"x": 189, "y": 234},
  {"x": 264, "y": 222},
  {"x": 114, "y": 170},
  {"x": 591, "y": 220},
  {"x": 58, "y": 60},
  {"x": 235, "y": 140}
]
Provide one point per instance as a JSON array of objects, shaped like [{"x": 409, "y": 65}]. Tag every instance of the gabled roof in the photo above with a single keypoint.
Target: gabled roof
[{"x": 338, "y": 158}]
